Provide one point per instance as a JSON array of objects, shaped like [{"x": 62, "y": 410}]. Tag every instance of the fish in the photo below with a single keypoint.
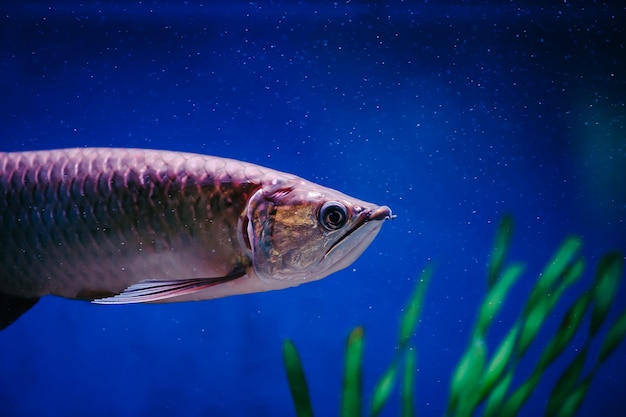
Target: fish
[{"x": 124, "y": 225}]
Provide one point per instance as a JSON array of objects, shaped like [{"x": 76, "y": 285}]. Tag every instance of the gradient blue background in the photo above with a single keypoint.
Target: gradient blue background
[{"x": 451, "y": 113}]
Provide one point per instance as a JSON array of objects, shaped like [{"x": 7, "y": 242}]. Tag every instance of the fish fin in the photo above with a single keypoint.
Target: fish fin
[
  {"x": 151, "y": 290},
  {"x": 12, "y": 307}
]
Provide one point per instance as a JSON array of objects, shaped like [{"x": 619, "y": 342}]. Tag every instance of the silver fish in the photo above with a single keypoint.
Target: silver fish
[{"x": 119, "y": 226}]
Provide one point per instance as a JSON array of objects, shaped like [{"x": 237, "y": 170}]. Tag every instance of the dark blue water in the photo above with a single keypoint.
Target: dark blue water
[{"x": 451, "y": 113}]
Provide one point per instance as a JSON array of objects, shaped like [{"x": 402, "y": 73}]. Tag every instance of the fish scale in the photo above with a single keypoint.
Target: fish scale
[{"x": 135, "y": 225}]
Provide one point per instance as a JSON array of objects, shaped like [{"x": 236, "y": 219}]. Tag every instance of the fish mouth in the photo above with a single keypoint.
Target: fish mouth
[{"x": 379, "y": 214}]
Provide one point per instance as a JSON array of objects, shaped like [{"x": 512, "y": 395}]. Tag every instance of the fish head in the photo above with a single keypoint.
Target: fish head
[{"x": 300, "y": 231}]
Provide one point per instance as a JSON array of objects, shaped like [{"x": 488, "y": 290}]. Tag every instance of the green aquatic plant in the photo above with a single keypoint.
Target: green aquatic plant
[{"x": 483, "y": 381}]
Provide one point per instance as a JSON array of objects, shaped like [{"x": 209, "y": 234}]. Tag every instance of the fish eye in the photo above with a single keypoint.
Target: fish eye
[{"x": 333, "y": 215}]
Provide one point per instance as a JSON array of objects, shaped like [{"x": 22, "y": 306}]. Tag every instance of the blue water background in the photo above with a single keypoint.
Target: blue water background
[{"x": 451, "y": 113}]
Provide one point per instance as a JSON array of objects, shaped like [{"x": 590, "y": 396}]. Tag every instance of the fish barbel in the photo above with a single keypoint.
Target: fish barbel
[{"x": 119, "y": 226}]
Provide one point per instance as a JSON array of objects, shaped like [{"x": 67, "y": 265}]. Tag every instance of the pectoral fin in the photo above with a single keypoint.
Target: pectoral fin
[
  {"x": 12, "y": 307},
  {"x": 148, "y": 291}
]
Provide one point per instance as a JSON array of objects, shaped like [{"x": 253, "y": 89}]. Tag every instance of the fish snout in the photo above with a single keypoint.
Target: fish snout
[{"x": 380, "y": 213}]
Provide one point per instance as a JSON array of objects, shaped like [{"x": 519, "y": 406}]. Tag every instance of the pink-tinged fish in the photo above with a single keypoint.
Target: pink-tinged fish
[{"x": 119, "y": 226}]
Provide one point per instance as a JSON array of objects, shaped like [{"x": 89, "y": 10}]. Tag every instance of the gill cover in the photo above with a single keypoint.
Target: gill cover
[{"x": 303, "y": 232}]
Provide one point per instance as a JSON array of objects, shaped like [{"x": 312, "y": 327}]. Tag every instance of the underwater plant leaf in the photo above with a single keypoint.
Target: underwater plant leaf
[
  {"x": 566, "y": 383},
  {"x": 498, "y": 364},
  {"x": 569, "y": 276},
  {"x": 496, "y": 297},
  {"x": 413, "y": 310},
  {"x": 408, "y": 383},
  {"x": 544, "y": 303},
  {"x": 352, "y": 395},
  {"x": 500, "y": 249},
  {"x": 297, "y": 380},
  {"x": 513, "y": 405},
  {"x": 573, "y": 273},
  {"x": 383, "y": 389},
  {"x": 613, "y": 338},
  {"x": 606, "y": 282},
  {"x": 532, "y": 323},
  {"x": 551, "y": 273},
  {"x": 570, "y": 324},
  {"x": 465, "y": 388},
  {"x": 570, "y": 405},
  {"x": 497, "y": 395}
]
